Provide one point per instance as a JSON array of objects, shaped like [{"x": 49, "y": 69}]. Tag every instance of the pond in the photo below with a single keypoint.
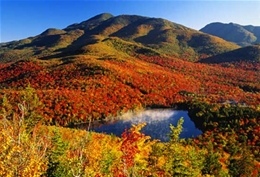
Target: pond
[{"x": 158, "y": 123}]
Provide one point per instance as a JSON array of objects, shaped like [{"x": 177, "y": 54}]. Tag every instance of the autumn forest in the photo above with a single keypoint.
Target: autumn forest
[{"x": 109, "y": 65}]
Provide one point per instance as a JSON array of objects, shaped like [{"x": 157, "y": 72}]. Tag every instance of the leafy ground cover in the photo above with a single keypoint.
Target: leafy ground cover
[
  {"x": 108, "y": 65},
  {"x": 222, "y": 99},
  {"x": 77, "y": 88},
  {"x": 29, "y": 148}
]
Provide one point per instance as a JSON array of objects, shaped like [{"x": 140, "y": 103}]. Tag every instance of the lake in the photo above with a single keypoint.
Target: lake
[{"x": 158, "y": 122}]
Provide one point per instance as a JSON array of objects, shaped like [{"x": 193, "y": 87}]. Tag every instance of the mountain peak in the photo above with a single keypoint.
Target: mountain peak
[
  {"x": 52, "y": 31},
  {"x": 126, "y": 34},
  {"x": 249, "y": 53},
  {"x": 102, "y": 16},
  {"x": 90, "y": 23},
  {"x": 241, "y": 35}
]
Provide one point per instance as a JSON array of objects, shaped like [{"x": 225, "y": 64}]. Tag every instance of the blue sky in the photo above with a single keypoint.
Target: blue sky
[{"x": 20, "y": 19}]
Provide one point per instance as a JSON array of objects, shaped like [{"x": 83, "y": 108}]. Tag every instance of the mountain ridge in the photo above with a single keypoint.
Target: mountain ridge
[
  {"x": 90, "y": 73},
  {"x": 249, "y": 54},
  {"x": 83, "y": 76},
  {"x": 154, "y": 34},
  {"x": 239, "y": 34}
]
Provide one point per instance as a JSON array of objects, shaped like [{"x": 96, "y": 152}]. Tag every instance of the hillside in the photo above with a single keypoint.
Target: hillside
[
  {"x": 241, "y": 35},
  {"x": 92, "y": 72},
  {"x": 124, "y": 33},
  {"x": 117, "y": 63},
  {"x": 81, "y": 87},
  {"x": 245, "y": 54}
]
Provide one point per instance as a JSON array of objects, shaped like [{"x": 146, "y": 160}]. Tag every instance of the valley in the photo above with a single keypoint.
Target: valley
[{"x": 109, "y": 65}]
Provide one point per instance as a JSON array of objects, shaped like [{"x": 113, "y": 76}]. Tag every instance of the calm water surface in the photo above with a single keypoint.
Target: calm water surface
[{"x": 158, "y": 122}]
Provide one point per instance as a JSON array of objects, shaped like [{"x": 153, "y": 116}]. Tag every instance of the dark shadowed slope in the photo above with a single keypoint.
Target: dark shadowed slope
[
  {"x": 248, "y": 54},
  {"x": 241, "y": 35},
  {"x": 129, "y": 34}
]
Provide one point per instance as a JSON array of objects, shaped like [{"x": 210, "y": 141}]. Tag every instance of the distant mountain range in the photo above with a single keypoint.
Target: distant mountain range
[
  {"x": 241, "y": 35},
  {"x": 132, "y": 35},
  {"x": 111, "y": 64},
  {"x": 106, "y": 34},
  {"x": 249, "y": 53}
]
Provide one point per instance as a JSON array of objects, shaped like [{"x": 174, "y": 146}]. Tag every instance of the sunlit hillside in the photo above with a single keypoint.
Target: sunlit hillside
[
  {"x": 146, "y": 34},
  {"x": 241, "y": 35},
  {"x": 90, "y": 73}
]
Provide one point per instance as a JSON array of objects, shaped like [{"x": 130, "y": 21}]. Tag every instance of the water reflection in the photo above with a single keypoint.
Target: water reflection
[{"x": 158, "y": 121}]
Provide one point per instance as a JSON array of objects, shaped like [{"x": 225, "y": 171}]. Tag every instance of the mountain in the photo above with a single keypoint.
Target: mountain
[
  {"x": 123, "y": 35},
  {"x": 249, "y": 54},
  {"x": 241, "y": 35},
  {"x": 89, "y": 73},
  {"x": 111, "y": 64}
]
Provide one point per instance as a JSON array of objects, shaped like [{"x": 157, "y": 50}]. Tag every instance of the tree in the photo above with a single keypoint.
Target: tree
[
  {"x": 22, "y": 152},
  {"x": 243, "y": 165},
  {"x": 182, "y": 160},
  {"x": 56, "y": 151},
  {"x": 31, "y": 105}
]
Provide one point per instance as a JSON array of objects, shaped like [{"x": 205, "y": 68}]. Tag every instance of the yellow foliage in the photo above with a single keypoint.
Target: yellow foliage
[{"x": 21, "y": 154}]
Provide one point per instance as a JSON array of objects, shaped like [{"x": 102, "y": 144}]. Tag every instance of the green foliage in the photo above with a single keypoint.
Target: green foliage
[
  {"x": 129, "y": 48},
  {"x": 242, "y": 35},
  {"x": 23, "y": 151},
  {"x": 177, "y": 158},
  {"x": 242, "y": 165},
  {"x": 182, "y": 160},
  {"x": 30, "y": 106},
  {"x": 6, "y": 108},
  {"x": 107, "y": 162},
  {"x": 233, "y": 147},
  {"x": 246, "y": 54},
  {"x": 208, "y": 115},
  {"x": 56, "y": 152},
  {"x": 176, "y": 131},
  {"x": 212, "y": 165},
  {"x": 149, "y": 36}
]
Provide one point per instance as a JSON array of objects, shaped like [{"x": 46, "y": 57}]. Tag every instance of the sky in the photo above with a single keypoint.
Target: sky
[{"x": 20, "y": 19}]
